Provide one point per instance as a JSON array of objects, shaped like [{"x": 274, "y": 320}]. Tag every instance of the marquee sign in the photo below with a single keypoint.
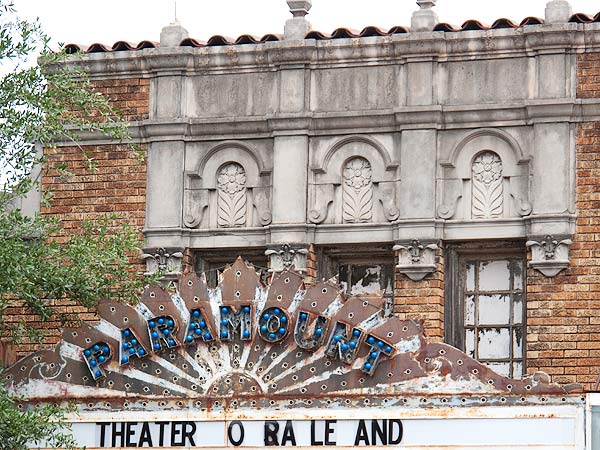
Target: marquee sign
[
  {"x": 549, "y": 431},
  {"x": 244, "y": 346}
]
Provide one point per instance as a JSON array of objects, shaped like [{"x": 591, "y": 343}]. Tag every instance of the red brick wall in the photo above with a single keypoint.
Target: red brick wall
[
  {"x": 311, "y": 264},
  {"x": 564, "y": 312},
  {"x": 130, "y": 96},
  {"x": 416, "y": 300},
  {"x": 117, "y": 186}
]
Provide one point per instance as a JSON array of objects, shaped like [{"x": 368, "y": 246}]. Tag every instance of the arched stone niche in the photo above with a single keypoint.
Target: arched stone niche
[
  {"x": 486, "y": 177},
  {"x": 230, "y": 188},
  {"x": 354, "y": 182}
]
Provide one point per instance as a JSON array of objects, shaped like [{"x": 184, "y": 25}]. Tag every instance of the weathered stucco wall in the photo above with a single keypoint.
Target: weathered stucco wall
[{"x": 418, "y": 110}]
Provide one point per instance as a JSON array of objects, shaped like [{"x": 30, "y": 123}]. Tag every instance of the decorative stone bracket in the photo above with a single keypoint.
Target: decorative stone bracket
[
  {"x": 163, "y": 260},
  {"x": 284, "y": 256},
  {"x": 550, "y": 255},
  {"x": 415, "y": 259},
  {"x": 322, "y": 199}
]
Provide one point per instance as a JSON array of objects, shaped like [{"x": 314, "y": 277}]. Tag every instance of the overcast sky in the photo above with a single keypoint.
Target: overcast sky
[{"x": 107, "y": 21}]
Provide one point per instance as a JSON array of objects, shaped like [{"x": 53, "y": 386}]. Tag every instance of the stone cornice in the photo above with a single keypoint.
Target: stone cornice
[
  {"x": 396, "y": 49},
  {"x": 426, "y": 229},
  {"x": 404, "y": 118}
]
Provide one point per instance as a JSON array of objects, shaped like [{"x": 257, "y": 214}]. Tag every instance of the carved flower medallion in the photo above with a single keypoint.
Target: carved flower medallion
[
  {"x": 487, "y": 168},
  {"x": 232, "y": 178},
  {"x": 357, "y": 173}
]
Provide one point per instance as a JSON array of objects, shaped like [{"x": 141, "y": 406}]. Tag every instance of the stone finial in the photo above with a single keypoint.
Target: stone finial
[
  {"x": 558, "y": 11},
  {"x": 297, "y": 27},
  {"x": 426, "y": 4},
  {"x": 299, "y": 8},
  {"x": 173, "y": 34},
  {"x": 424, "y": 19}
]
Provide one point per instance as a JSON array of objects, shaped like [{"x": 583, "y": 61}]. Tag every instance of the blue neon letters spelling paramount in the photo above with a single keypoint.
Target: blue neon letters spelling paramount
[{"x": 237, "y": 323}]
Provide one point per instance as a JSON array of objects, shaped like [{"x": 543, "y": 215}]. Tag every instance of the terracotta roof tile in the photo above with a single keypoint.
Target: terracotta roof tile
[
  {"x": 339, "y": 33},
  {"x": 503, "y": 23},
  {"x": 98, "y": 48},
  {"x": 190, "y": 42},
  {"x": 71, "y": 49},
  {"x": 580, "y": 18},
  {"x": 118, "y": 46},
  {"x": 531, "y": 21},
  {"x": 446, "y": 27},
  {"x": 344, "y": 33},
  {"x": 218, "y": 40},
  {"x": 472, "y": 25},
  {"x": 247, "y": 39},
  {"x": 271, "y": 38},
  {"x": 146, "y": 44},
  {"x": 398, "y": 30},
  {"x": 317, "y": 35},
  {"x": 121, "y": 46},
  {"x": 372, "y": 31}
]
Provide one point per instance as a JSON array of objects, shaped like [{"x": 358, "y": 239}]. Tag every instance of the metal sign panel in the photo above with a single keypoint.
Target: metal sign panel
[
  {"x": 558, "y": 427},
  {"x": 244, "y": 351},
  {"x": 425, "y": 433}
]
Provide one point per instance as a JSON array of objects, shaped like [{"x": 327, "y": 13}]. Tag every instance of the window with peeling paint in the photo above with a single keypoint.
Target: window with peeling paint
[
  {"x": 357, "y": 279},
  {"x": 487, "y": 308},
  {"x": 360, "y": 269}
]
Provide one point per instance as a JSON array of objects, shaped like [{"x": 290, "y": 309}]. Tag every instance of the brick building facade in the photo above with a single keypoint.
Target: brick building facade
[
  {"x": 445, "y": 178},
  {"x": 364, "y": 153}
]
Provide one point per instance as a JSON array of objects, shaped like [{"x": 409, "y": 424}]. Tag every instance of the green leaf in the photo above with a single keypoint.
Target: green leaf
[{"x": 40, "y": 104}]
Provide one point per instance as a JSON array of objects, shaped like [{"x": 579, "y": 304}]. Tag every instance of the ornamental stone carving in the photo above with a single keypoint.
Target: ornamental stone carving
[
  {"x": 549, "y": 255},
  {"x": 388, "y": 201},
  {"x": 487, "y": 191},
  {"x": 163, "y": 261},
  {"x": 325, "y": 194},
  {"x": 353, "y": 180},
  {"x": 357, "y": 191},
  {"x": 416, "y": 260},
  {"x": 231, "y": 188},
  {"x": 283, "y": 257},
  {"x": 298, "y": 26},
  {"x": 485, "y": 176},
  {"x": 424, "y": 19},
  {"x": 227, "y": 186},
  {"x": 261, "y": 203}
]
